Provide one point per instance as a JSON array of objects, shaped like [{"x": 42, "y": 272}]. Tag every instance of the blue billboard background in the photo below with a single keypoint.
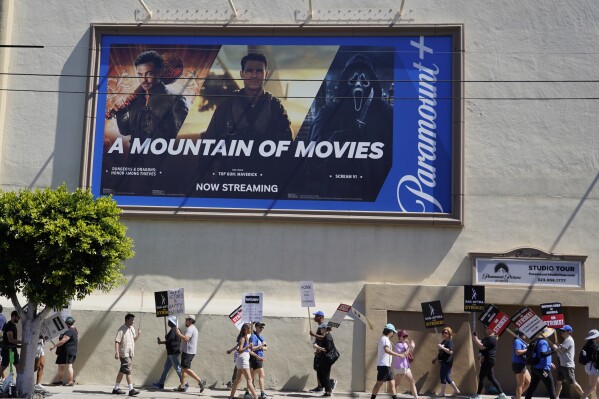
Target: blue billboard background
[{"x": 419, "y": 174}]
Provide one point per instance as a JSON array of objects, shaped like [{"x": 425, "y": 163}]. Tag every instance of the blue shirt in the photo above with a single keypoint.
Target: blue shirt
[
  {"x": 257, "y": 340},
  {"x": 518, "y": 346},
  {"x": 544, "y": 363}
]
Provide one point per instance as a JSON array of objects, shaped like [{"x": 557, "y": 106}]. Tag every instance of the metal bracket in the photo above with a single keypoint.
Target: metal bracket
[
  {"x": 371, "y": 16},
  {"x": 143, "y": 4},
  {"x": 233, "y": 8}
]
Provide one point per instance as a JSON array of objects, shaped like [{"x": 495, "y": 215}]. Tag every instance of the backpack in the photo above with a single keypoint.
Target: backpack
[{"x": 531, "y": 357}]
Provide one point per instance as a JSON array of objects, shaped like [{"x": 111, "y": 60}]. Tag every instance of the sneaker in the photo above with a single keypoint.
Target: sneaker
[
  {"x": 229, "y": 384},
  {"x": 158, "y": 385},
  {"x": 317, "y": 389},
  {"x": 181, "y": 389},
  {"x": 202, "y": 385},
  {"x": 262, "y": 395},
  {"x": 326, "y": 394},
  {"x": 501, "y": 396},
  {"x": 247, "y": 395},
  {"x": 39, "y": 387},
  {"x": 117, "y": 391},
  {"x": 133, "y": 392},
  {"x": 333, "y": 384}
]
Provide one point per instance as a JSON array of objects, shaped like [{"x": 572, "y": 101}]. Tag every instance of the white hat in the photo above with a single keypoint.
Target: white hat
[
  {"x": 592, "y": 334},
  {"x": 173, "y": 319}
]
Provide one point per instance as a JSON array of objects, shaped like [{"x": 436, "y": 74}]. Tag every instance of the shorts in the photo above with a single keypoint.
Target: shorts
[
  {"x": 566, "y": 374},
  {"x": 255, "y": 363},
  {"x": 243, "y": 361},
  {"x": 63, "y": 358},
  {"x": 186, "y": 359},
  {"x": 383, "y": 373},
  {"x": 6, "y": 357},
  {"x": 125, "y": 365},
  {"x": 519, "y": 368},
  {"x": 588, "y": 368},
  {"x": 400, "y": 371}
]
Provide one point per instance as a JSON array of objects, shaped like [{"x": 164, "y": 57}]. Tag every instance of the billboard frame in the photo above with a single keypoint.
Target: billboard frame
[{"x": 453, "y": 218}]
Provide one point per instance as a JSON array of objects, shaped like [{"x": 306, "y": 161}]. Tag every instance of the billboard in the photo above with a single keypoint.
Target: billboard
[{"x": 328, "y": 122}]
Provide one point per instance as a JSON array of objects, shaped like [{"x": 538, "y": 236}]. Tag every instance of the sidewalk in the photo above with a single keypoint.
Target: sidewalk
[{"x": 104, "y": 391}]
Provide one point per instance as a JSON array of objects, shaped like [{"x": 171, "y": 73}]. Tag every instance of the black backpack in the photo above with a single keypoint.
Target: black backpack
[{"x": 531, "y": 357}]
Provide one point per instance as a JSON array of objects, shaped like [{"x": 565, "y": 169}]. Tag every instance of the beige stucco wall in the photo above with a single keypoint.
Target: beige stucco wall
[{"x": 531, "y": 165}]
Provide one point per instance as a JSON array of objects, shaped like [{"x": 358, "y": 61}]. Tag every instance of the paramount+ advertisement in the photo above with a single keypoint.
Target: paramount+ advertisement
[{"x": 321, "y": 124}]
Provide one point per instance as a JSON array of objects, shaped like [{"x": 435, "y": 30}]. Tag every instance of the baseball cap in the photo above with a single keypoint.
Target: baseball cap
[
  {"x": 69, "y": 320},
  {"x": 323, "y": 326},
  {"x": 391, "y": 327},
  {"x": 191, "y": 317},
  {"x": 319, "y": 313},
  {"x": 567, "y": 327}
]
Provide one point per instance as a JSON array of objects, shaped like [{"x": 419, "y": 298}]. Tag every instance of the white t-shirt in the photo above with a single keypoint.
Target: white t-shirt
[
  {"x": 384, "y": 358},
  {"x": 566, "y": 359},
  {"x": 191, "y": 346}
]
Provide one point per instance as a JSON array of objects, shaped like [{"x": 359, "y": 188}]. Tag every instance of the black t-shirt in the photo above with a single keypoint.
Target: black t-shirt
[
  {"x": 9, "y": 326},
  {"x": 70, "y": 347},
  {"x": 490, "y": 344},
  {"x": 444, "y": 356}
]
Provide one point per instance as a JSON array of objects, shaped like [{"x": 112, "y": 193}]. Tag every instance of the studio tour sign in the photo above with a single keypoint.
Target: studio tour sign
[{"x": 528, "y": 267}]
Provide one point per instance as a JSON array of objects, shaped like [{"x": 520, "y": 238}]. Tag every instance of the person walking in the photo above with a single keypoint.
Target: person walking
[
  {"x": 244, "y": 347},
  {"x": 519, "y": 364},
  {"x": 124, "y": 350},
  {"x": 318, "y": 336},
  {"x": 66, "y": 353},
  {"x": 385, "y": 355},
  {"x": 591, "y": 348},
  {"x": 40, "y": 362},
  {"x": 2, "y": 323},
  {"x": 401, "y": 364},
  {"x": 565, "y": 354},
  {"x": 324, "y": 364},
  {"x": 445, "y": 358},
  {"x": 173, "y": 350},
  {"x": 189, "y": 348},
  {"x": 541, "y": 366},
  {"x": 257, "y": 362},
  {"x": 487, "y": 355},
  {"x": 10, "y": 341}
]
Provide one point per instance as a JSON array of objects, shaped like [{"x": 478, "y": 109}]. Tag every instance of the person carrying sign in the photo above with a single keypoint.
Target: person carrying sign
[
  {"x": 383, "y": 364},
  {"x": 565, "y": 354},
  {"x": 541, "y": 366},
  {"x": 318, "y": 336},
  {"x": 244, "y": 347},
  {"x": 173, "y": 349},
  {"x": 519, "y": 364},
  {"x": 487, "y": 355},
  {"x": 66, "y": 353}
]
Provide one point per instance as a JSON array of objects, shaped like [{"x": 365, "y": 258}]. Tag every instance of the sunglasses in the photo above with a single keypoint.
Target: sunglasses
[
  {"x": 445, "y": 332},
  {"x": 404, "y": 336}
]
